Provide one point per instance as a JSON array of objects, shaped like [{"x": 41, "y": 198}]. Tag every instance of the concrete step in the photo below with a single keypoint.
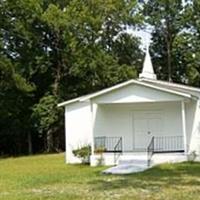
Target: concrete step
[
  {"x": 125, "y": 169},
  {"x": 138, "y": 162},
  {"x": 135, "y": 158},
  {"x": 134, "y": 154}
]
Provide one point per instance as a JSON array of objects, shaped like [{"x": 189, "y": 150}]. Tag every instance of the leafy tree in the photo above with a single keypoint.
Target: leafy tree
[
  {"x": 191, "y": 43},
  {"x": 167, "y": 21},
  {"x": 13, "y": 91},
  {"x": 62, "y": 49},
  {"x": 21, "y": 42},
  {"x": 86, "y": 34},
  {"x": 83, "y": 54},
  {"x": 48, "y": 118},
  {"x": 186, "y": 46}
]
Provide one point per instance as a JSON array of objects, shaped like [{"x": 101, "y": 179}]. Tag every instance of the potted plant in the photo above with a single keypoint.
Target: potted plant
[
  {"x": 99, "y": 151},
  {"x": 83, "y": 153}
]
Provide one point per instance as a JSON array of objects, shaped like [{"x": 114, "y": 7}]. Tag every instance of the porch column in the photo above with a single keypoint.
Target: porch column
[
  {"x": 93, "y": 113},
  {"x": 184, "y": 125}
]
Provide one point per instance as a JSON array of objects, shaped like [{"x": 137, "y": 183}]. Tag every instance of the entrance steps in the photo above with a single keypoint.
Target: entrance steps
[
  {"x": 139, "y": 159},
  {"x": 129, "y": 163},
  {"x": 137, "y": 162},
  {"x": 125, "y": 169}
]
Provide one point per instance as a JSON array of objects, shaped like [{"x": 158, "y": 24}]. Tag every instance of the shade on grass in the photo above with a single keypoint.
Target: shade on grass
[{"x": 47, "y": 177}]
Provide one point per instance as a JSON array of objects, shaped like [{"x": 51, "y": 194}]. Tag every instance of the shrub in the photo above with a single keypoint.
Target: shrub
[
  {"x": 83, "y": 153},
  {"x": 192, "y": 156}
]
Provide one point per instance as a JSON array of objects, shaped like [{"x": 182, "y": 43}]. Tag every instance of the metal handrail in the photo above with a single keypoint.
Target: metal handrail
[
  {"x": 117, "y": 149},
  {"x": 150, "y": 151},
  {"x": 118, "y": 146},
  {"x": 164, "y": 144}
]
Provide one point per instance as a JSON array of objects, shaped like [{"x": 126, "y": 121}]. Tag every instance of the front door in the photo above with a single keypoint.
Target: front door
[{"x": 146, "y": 125}]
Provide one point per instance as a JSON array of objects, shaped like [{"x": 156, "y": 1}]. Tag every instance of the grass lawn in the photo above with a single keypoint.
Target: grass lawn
[{"x": 47, "y": 177}]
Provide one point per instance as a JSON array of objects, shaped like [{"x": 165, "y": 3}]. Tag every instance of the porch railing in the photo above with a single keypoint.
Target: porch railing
[
  {"x": 168, "y": 144},
  {"x": 164, "y": 144},
  {"x": 108, "y": 144}
]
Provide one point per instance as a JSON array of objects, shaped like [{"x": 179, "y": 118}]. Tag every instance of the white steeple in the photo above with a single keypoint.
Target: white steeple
[{"x": 147, "y": 71}]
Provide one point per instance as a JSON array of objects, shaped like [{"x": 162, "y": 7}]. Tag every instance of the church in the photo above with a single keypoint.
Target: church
[{"x": 143, "y": 120}]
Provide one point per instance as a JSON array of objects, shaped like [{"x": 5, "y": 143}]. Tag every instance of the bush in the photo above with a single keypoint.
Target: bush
[
  {"x": 83, "y": 153},
  {"x": 192, "y": 156}
]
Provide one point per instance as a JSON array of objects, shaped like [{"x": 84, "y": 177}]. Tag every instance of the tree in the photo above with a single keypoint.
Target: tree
[
  {"x": 21, "y": 38},
  {"x": 86, "y": 33},
  {"x": 166, "y": 19},
  {"x": 63, "y": 49},
  {"x": 83, "y": 52},
  {"x": 191, "y": 43},
  {"x": 47, "y": 118},
  {"x": 13, "y": 91}
]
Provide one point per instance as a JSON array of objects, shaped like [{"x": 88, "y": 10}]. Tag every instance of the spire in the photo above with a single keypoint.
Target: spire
[{"x": 147, "y": 71}]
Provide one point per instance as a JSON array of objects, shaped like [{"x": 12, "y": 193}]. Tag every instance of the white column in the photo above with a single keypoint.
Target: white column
[
  {"x": 93, "y": 113},
  {"x": 184, "y": 125}
]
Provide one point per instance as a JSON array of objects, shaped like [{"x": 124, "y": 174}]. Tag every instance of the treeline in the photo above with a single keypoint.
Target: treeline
[{"x": 54, "y": 50}]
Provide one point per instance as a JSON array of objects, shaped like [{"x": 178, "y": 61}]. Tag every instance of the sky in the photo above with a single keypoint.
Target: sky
[{"x": 144, "y": 35}]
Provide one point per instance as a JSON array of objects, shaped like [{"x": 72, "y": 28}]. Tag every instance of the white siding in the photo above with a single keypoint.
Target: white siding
[
  {"x": 78, "y": 131},
  {"x": 136, "y": 94},
  {"x": 194, "y": 125},
  {"x": 117, "y": 120}
]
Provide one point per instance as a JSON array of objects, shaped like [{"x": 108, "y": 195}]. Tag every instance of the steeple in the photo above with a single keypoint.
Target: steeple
[{"x": 147, "y": 71}]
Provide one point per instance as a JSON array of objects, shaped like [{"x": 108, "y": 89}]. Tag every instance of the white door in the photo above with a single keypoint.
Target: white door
[{"x": 146, "y": 125}]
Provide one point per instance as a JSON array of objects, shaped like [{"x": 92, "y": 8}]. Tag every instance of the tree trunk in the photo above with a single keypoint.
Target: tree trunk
[
  {"x": 30, "y": 147},
  {"x": 50, "y": 145},
  {"x": 55, "y": 90},
  {"x": 57, "y": 79},
  {"x": 169, "y": 44},
  {"x": 169, "y": 61},
  {"x": 58, "y": 64}
]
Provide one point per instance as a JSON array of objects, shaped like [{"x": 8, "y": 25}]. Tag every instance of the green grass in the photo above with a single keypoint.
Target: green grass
[{"x": 47, "y": 177}]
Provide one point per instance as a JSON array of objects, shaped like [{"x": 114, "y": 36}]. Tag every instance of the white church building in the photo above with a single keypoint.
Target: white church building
[{"x": 142, "y": 118}]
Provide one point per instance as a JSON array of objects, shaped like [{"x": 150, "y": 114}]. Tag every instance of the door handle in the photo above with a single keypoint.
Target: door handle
[{"x": 148, "y": 132}]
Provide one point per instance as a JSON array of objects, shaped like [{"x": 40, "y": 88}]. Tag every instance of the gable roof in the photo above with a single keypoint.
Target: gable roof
[
  {"x": 143, "y": 82},
  {"x": 177, "y": 86}
]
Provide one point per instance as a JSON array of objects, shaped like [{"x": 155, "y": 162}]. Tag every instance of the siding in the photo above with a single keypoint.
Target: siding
[
  {"x": 78, "y": 131},
  {"x": 136, "y": 94}
]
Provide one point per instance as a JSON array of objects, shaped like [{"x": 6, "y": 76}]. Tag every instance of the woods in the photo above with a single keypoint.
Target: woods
[{"x": 51, "y": 51}]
